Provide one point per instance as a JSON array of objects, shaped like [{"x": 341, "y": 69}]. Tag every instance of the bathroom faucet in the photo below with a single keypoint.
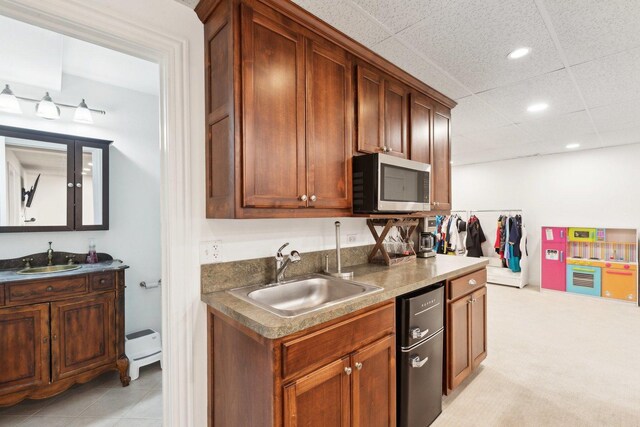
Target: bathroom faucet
[
  {"x": 283, "y": 262},
  {"x": 50, "y": 255}
]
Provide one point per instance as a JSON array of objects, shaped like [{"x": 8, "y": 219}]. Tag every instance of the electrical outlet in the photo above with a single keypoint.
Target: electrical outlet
[
  {"x": 351, "y": 238},
  {"x": 210, "y": 252}
]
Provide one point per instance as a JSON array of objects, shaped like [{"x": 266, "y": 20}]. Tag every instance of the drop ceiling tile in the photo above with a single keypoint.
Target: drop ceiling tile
[
  {"x": 398, "y": 53},
  {"x": 589, "y": 29},
  {"x": 473, "y": 114},
  {"x": 572, "y": 125},
  {"x": 472, "y": 41},
  {"x": 559, "y": 145},
  {"x": 397, "y": 14},
  {"x": 347, "y": 18},
  {"x": 611, "y": 79},
  {"x": 500, "y": 137},
  {"x": 623, "y": 115},
  {"x": 621, "y": 136},
  {"x": 555, "y": 89}
]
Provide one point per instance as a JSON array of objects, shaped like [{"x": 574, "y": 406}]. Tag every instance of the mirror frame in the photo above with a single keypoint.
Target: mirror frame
[{"x": 74, "y": 146}]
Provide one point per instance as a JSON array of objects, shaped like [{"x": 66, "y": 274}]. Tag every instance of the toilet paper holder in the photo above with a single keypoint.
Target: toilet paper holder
[{"x": 151, "y": 285}]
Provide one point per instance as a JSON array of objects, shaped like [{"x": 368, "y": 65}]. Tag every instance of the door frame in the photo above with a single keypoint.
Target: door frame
[{"x": 96, "y": 23}]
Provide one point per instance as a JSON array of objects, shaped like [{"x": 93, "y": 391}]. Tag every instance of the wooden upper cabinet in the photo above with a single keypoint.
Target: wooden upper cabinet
[
  {"x": 370, "y": 111},
  {"x": 273, "y": 88},
  {"x": 374, "y": 384},
  {"x": 478, "y": 326},
  {"x": 24, "y": 348},
  {"x": 420, "y": 132},
  {"x": 395, "y": 118},
  {"x": 320, "y": 399},
  {"x": 382, "y": 113},
  {"x": 329, "y": 111},
  {"x": 441, "y": 159},
  {"x": 82, "y": 335}
]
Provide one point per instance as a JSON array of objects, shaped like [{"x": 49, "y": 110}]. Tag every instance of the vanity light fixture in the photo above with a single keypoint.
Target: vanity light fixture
[
  {"x": 572, "y": 146},
  {"x": 83, "y": 114},
  {"x": 47, "y": 109},
  {"x": 536, "y": 108},
  {"x": 9, "y": 102},
  {"x": 519, "y": 53}
]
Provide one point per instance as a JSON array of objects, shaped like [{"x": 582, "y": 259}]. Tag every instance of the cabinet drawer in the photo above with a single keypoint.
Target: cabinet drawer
[
  {"x": 303, "y": 354},
  {"x": 467, "y": 284},
  {"x": 1, "y": 295},
  {"x": 101, "y": 282},
  {"x": 46, "y": 290}
]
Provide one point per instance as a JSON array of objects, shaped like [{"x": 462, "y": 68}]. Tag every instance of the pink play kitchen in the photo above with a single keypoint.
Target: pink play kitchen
[{"x": 601, "y": 262}]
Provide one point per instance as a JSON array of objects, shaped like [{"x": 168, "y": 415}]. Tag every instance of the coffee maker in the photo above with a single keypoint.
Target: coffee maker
[{"x": 427, "y": 238}]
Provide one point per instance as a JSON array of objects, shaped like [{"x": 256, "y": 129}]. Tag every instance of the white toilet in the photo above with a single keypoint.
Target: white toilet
[{"x": 142, "y": 348}]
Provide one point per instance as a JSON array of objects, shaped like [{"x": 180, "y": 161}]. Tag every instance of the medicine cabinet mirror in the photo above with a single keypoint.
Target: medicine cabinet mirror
[{"x": 52, "y": 182}]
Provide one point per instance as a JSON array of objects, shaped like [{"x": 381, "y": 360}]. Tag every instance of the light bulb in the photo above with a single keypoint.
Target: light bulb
[
  {"x": 47, "y": 109},
  {"x": 9, "y": 102},
  {"x": 83, "y": 114}
]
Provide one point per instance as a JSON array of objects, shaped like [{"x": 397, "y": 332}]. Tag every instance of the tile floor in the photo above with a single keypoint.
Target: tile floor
[{"x": 102, "y": 402}]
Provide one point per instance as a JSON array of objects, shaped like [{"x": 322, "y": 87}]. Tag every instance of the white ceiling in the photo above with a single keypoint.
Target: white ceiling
[
  {"x": 39, "y": 57},
  {"x": 584, "y": 63}
]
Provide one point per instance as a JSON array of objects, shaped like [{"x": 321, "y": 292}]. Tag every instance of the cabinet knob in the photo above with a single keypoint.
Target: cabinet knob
[
  {"x": 55, "y": 337},
  {"x": 102, "y": 281},
  {"x": 313, "y": 198},
  {"x": 49, "y": 288},
  {"x": 472, "y": 282},
  {"x": 70, "y": 185},
  {"x": 79, "y": 185},
  {"x": 45, "y": 340},
  {"x": 348, "y": 370},
  {"x": 303, "y": 198},
  {"x": 358, "y": 366}
]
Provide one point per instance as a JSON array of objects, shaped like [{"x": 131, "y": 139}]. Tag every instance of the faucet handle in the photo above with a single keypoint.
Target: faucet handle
[
  {"x": 27, "y": 262},
  {"x": 279, "y": 253},
  {"x": 71, "y": 259}
]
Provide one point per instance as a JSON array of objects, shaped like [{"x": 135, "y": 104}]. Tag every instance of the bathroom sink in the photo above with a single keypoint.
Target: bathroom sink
[
  {"x": 303, "y": 295},
  {"x": 49, "y": 269}
]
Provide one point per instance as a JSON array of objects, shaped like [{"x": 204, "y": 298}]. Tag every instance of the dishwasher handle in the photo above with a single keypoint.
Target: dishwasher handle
[{"x": 416, "y": 362}]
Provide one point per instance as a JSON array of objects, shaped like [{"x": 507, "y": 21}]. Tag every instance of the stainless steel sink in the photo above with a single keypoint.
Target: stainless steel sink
[
  {"x": 303, "y": 295},
  {"x": 49, "y": 269}
]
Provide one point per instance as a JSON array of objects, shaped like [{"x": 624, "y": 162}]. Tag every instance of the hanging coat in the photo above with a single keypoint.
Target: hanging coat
[{"x": 475, "y": 238}]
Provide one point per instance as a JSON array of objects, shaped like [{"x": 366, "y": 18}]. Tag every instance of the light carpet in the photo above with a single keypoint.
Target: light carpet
[{"x": 554, "y": 359}]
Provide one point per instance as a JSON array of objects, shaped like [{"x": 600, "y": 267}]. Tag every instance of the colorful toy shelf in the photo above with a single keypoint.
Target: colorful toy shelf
[{"x": 600, "y": 262}]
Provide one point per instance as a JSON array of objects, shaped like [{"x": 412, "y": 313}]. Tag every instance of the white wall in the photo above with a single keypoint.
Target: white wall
[
  {"x": 582, "y": 188},
  {"x": 132, "y": 122}
]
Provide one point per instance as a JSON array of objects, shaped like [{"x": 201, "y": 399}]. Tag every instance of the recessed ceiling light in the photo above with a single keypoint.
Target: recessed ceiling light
[
  {"x": 86, "y": 169},
  {"x": 519, "y": 53},
  {"x": 536, "y": 108},
  {"x": 90, "y": 164},
  {"x": 572, "y": 146}
]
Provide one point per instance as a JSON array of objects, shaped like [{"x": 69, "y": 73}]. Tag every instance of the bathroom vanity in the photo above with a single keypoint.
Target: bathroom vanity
[{"x": 59, "y": 329}]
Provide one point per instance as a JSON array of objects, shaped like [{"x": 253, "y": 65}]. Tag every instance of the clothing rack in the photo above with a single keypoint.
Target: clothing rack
[{"x": 495, "y": 273}]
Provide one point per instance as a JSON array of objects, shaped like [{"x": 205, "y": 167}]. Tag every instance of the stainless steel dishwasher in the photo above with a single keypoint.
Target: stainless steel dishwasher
[{"x": 420, "y": 346}]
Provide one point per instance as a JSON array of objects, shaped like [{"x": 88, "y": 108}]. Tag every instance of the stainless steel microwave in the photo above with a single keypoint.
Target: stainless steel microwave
[{"x": 386, "y": 184}]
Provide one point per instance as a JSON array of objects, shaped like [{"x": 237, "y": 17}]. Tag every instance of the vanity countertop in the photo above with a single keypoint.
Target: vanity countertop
[
  {"x": 396, "y": 280},
  {"x": 13, "y": 276}
]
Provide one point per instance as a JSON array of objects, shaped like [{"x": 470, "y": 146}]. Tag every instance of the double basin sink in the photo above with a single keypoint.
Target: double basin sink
[{"x": 304, "y": 294}]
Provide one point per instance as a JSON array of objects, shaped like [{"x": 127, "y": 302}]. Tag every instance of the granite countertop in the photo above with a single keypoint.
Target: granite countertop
[
  {"x": 12, "y": 275},
  {"x": 396, "y": 280}
]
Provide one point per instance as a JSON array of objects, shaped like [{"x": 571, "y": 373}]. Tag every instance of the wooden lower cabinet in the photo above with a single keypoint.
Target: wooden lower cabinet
[
  {"x": 466, "y": 328},
  {"x": 322, "y": 398},
  {"x": 58, "y": 340},
  {"x": 341, "y": 373}
]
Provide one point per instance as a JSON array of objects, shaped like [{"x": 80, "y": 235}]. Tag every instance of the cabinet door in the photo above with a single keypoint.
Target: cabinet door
[
  {"x": 374, "y": 385},
  {"x": 395, "y": 118},
  {"x": 321, "y": 398},
  {"x": 370, "y": 111},
  {"x": 329, "y": 125},
  {"x": 82, "y": 335},
  {"x": 24, "y": 347},
  {"x": 420, "y": 128},
  {"x": 458, "y": 337},
  {"x": 478, "y": 327},
  {"x": 273, "y": 147},
  {"x": 441, "y": 159}
]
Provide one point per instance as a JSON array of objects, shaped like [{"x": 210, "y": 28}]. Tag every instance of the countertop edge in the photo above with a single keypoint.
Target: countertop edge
[
  {"x": 216, "y": 301},
  {"x": 14, "y": 277}
]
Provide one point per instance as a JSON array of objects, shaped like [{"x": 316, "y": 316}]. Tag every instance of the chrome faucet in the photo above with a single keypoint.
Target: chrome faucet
[
  {"x": 283, "y": 262},
  {"x": 50, "y": 255}
]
